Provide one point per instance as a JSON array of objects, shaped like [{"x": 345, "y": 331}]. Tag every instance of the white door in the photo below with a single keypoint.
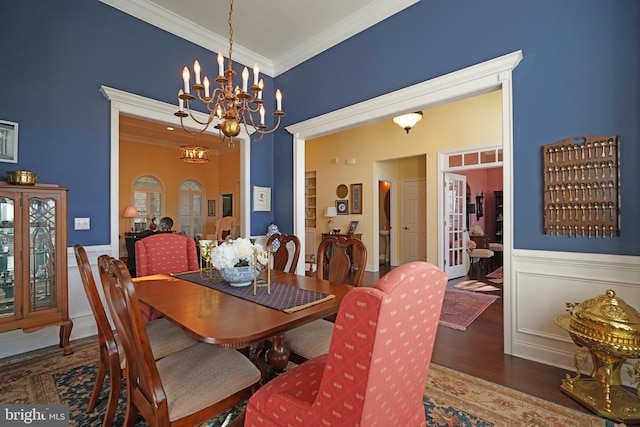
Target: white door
[
  {"x": 414, "y": 221},
  {"x": 455, "y": 236}
]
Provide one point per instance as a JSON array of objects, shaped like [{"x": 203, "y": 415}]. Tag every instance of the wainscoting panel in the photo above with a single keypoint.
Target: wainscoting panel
[
  {"x": 17, "y": 342},
  {"x": 543, "y": 282}
]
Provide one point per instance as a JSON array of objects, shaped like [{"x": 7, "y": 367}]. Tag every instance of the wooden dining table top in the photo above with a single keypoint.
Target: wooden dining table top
[{"x": 218, "y": 318}]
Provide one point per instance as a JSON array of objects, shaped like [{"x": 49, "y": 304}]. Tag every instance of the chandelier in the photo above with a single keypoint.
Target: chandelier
[
  {"x": 194, "y": 154},
  {"x": 231, "y": 107}
]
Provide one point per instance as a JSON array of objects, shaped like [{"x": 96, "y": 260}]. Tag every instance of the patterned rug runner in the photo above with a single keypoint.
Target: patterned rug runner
[
  {"x": 451, "y": 398},
  {"x": 496, "y": 276},
  {"x": 283, "y": 297},
  {"x": 461, "y": 308}
]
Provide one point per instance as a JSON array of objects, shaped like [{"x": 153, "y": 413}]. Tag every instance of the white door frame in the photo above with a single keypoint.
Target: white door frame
[
  {"x": 494, "y": 74},
  {"x": 151, "y": 109}
]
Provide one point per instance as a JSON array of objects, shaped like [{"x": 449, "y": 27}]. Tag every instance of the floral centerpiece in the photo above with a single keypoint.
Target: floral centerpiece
[{"x": 236, "y": 260}]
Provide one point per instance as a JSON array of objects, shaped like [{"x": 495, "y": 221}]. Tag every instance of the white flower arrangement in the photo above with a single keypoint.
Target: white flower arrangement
[{"x": 238, "y": 253}]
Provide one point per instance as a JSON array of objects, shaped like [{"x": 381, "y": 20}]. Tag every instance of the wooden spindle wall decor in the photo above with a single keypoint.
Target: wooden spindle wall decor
[{"x": 582, "y": 187}]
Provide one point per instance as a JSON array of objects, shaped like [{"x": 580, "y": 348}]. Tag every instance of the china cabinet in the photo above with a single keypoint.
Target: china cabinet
[
  {"x": 33, "y": 259},
  {"x": 497, "y": 197},
  {"x": 310, "y": 199}
]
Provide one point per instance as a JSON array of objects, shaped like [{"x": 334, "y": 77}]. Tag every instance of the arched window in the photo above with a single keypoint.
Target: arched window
[
  {"x": 192, "y": 211},
  {"x": 148, "y": 196}
]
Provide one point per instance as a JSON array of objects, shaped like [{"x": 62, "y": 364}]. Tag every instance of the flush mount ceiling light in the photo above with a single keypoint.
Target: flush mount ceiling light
[
  {"x": 230, "y": 107},
  {"x": 407, "y": 121},
  {"x": 194, "y": 154}
]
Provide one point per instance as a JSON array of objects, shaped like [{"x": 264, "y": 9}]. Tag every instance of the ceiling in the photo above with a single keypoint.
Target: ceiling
[{"x": 277, "y": 35}]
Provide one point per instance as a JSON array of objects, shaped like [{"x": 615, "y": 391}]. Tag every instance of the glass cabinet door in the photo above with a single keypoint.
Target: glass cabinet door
[
  {"x": 7, "y": 251},
  {"x": 42, "y": 254}
]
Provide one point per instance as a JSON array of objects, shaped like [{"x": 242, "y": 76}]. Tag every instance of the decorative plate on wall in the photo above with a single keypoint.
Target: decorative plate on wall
[{"x": 342, "y": 191}]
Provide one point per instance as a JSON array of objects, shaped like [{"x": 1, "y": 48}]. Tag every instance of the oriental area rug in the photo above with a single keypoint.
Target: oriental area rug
[
  {"x": 461, "y": 308},
  {"x": 451, "y": 398}
]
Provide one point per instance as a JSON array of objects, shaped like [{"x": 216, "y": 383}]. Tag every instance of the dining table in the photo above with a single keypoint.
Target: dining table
[{"x": 218, "y": 317}]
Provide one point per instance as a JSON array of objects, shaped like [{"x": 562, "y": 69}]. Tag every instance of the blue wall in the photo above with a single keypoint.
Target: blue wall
[{"x": 579, "y": 76}]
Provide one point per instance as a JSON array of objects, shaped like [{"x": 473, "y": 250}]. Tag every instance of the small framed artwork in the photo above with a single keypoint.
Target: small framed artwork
[
  {"x": 342, "y": 206},
  {"x": 352, "y": 227},
  {"x": 8, "y": 142},
  {"x": 211, "y": 207},
  {"x": 261, "y": 199},
  {"x": 356, "y": 198}
]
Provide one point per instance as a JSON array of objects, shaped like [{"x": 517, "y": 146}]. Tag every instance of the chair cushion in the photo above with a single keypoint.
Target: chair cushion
[
  {"x": 297, "y": 388},
  {"x": 310, "y": 340},
  {"x": 165, "y": 338},
  {"x": 202, "y": 375},
  {"x": 481, "y": 253}
]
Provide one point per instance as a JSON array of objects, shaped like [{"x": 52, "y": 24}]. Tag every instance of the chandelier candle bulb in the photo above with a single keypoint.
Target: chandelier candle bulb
[
  {"x": 261, "y": 86},
  {"x": 279, "y": 100},
  {"x": 220, "y": 64},
  {"x": 196, "y": 70},
  {"x": 186, "y": 76},
  {"x": 206, "y": 87},
  {"x": 261, "y": 115},
  {"x": 180, "y": 101},
  {"x": 245, "y": 79},
  {"x": 256, "y": 74}
]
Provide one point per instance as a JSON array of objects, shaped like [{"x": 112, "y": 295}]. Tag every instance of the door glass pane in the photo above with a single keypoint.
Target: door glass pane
[
  {"x": 42, "y": 262},
  {"x": 7, "y": 250}
]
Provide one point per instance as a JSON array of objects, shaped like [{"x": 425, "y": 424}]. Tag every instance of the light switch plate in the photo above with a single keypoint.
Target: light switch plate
[{"x": 82, "y": 224}]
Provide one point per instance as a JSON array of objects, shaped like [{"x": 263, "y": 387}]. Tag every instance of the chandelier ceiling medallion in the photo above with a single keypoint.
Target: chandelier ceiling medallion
[{"x": 231, "y": 107}]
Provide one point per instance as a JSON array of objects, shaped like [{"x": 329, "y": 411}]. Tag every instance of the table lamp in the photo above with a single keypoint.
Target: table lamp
[
  {"x": 330, "y": 212},
  {"x": 131, "y": 212}
]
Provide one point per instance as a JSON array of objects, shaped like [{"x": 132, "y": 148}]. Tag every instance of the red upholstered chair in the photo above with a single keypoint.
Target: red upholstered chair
[
  {"x": 378, "y": 360},
  {"x": 164, "y": 253}
]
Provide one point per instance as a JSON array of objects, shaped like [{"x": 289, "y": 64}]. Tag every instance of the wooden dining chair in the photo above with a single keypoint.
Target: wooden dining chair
[
  {"x": 281, "y": 255},
  {"x": 377, "y": 366},
  {"x": 164, "y": 253},
  {"x": 165, "y": 338},
  {"x": 342, "y": 260},
  {"x": 183, "y": 388}
]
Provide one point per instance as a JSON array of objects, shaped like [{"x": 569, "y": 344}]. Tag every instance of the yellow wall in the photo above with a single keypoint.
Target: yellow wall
[
  {"x": 220, "y": 175},
  {"x": 467, "y": 123}
]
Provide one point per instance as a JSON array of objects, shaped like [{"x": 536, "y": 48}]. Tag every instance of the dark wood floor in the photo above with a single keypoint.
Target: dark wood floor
[{"x": 479, "y": 351}]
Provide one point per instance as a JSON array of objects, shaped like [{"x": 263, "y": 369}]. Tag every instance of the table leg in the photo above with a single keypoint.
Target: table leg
[{"x": 278, "y": 354}]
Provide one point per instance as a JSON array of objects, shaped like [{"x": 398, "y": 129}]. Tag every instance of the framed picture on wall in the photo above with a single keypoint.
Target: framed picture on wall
[
  {"x": 356, "y": 198},
  {"x": 261, "y": 198},
  {"x": 342, "y": 206},
  {"x": 8, "y": 142},
  {"x": 211, "y": 205}
]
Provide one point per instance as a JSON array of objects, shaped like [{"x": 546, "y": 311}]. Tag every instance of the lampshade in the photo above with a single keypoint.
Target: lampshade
[
  {"x": 330, "y": 212},
  {"x": 130, "y": 212},
  {"x": 407, "y": 121}
]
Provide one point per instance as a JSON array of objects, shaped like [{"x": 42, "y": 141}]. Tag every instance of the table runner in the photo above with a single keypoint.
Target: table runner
[{"x": 283, "y": 297}]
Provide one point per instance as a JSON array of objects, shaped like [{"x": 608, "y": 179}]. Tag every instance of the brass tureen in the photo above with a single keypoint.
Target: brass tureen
[{"x": 610, "y": 329}]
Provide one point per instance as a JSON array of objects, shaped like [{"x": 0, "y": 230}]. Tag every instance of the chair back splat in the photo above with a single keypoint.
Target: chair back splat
[
  {"x": 281, "y": 253},
  {"x": 378, "y": 360},
  {"x": 342, "y": 259}
]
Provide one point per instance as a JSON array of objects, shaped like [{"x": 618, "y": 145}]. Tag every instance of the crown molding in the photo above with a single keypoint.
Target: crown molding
[
  {"x": 366, "y": 17},
  {"x": 166, "y": 20}
]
